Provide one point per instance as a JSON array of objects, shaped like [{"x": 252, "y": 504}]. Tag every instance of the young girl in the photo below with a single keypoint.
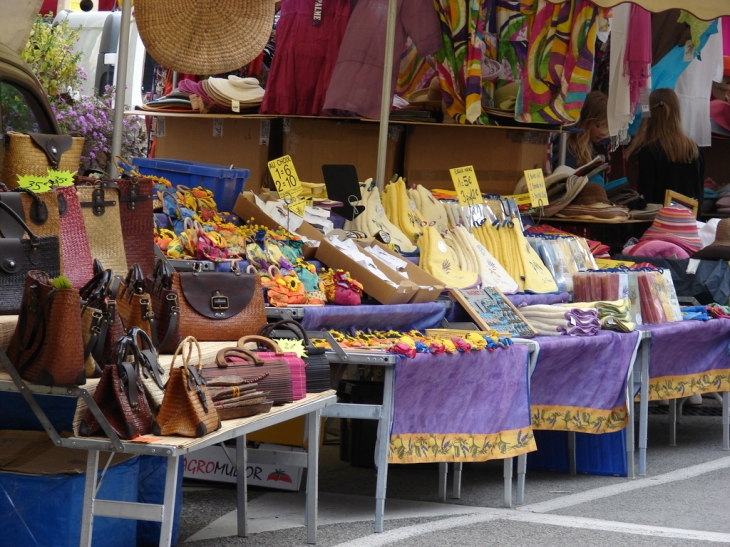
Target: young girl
[
  {"x": 593, "y": 123},
  {"x": 668, "y": 158}
]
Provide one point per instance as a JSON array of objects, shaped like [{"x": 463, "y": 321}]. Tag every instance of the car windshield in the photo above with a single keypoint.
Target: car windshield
[{"x": 21, "y": 110}]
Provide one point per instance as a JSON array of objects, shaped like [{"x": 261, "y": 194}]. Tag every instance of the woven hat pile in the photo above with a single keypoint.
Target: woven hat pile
[
  {"x": 204, "y": 36},
  {"x": 592, "y": 203},
  {"x": 720, "y": 248},
  {"x": 675, "y": 224}
]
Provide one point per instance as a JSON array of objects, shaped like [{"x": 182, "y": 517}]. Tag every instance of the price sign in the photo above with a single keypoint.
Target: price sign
[
  {"x": 536, "y": 187},
  {"x": 466, "y": 186},
  {"x": 46, "y": 183},
  {"x": 297, "y": 207},
  {"x": 285, "y": 177},
  {"x": 520, "y": 199}
]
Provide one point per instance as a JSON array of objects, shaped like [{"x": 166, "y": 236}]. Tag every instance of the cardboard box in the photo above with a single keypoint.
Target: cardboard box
[
  {"x": 247, "y": 143},
  {"x": 499, "y": 155},
  {"x": 290, "y": 433},
  {"x": 381, "y": 291},
  {"x": 429, "y": 287},
  {"x": 314, "y": 142},
  {"x": 212, "y": 464}
]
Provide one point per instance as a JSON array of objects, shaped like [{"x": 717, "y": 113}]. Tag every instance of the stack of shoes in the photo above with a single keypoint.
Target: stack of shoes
[{"x": 233, "y": 397}]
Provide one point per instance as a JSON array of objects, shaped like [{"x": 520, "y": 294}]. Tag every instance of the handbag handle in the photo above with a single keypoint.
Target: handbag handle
[
  {"x": 39, "y": 210},
  {"x": 249, "y": 357},
  {"x": 189, "y": 344},
  {"x": 288, "y": 324},
  {"x": 34, "y": 239},
  {"x": 162, "y": 274},
  {"x": 266, "y": 342},
  {"x": 145, "y": 353},
  {"x": 135, "y": 280},
  {"x": 97, "y": 287}
]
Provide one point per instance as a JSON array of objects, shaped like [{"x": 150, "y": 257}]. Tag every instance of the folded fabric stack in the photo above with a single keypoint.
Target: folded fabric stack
[
  {"x": 234, "y": 397},
  {"x": 557, "y": 320},
  {"x": 175, "y": 101},
  {"x": 695, "y": 313},
  {"x": 614, "y": 315}
]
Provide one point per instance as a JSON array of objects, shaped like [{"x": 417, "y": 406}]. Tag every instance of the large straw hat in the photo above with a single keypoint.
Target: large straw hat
[
  {"x": 204, "y": 36},
  {"x": 244, "y": 90},
  {"x": 720, "y": 248}
]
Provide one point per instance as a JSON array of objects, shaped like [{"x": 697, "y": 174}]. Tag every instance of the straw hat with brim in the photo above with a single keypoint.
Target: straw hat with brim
[
  {"x": 720, "y": 248},
  {"x": 422, "y": 98},
  {"x": 563, "y": 193},
  {"x": 505, "y": 98},
  {"x": 648, "y": 213},
  {"x": 243, "y": 90},
  {"x": 656, "y": 248},
  {"x": 676, "y": 224},
  {"x": 560, "y": 174},
  {"x": 592, "y": 203},
  {"x": 204, "y": 36}
]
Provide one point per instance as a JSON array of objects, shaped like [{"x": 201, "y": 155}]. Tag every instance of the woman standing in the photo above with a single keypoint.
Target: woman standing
[{"x": 668, "y": 158}]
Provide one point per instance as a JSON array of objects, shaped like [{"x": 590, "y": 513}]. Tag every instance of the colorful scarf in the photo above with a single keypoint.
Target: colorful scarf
[
  {"x": 560, "y": 57},
  {"x": 414, "y": 72},
  {"x": 637, "y": 60}
]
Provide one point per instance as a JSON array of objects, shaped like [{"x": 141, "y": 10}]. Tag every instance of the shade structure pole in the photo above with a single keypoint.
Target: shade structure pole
[
  {"x": 121, "y": 74},
  {"x": 387, "y": 99}
]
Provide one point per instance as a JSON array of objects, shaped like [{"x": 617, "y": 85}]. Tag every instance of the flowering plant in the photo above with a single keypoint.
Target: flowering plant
[{"x": 50, "y": 54}]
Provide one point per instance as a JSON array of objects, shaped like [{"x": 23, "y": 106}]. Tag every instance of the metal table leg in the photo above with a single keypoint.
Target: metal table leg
[
  {"x": 508, "y": 483},
  {"x": 381, "y": 459},
  {"x": 726, "y": 420},
  {"x": 241, "y": 486},
  {"x": 443, "y": 479},
  {"x": 168, "y": 509},
  {"x": 87, "y": 519},
  {"x": 571, "y": 453},
  {"x": 673, "y": 422},
  {"x": 644, "y": 405},
  {"x": 521, "y": 475},
  {"x": 313, "y": 419},
  {"x": 630, "y": 468},
  {"x": 458, "y": 468}
]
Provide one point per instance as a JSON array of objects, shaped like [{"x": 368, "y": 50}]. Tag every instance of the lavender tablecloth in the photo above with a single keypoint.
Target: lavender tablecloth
[
  {"x": 459, "y": 408},
  {"x": 688, "y": 358},
  {"x": 578, "y": 383},
  {"x": 402, "y": 317}
]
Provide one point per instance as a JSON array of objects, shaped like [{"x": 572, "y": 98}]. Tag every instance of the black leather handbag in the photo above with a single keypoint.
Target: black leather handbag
[{"x": 19, "y": 256}]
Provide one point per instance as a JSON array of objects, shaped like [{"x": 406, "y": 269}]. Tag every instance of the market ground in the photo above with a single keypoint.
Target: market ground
[{"x": 682, "y": 501}]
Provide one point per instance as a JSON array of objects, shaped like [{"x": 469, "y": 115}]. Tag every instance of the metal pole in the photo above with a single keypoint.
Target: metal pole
[
  {"x": 121, "y": 73},
  {"x": 387, "y": 99}
]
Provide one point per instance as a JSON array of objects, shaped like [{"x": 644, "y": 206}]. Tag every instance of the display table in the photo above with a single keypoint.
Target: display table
[
  {"x": 172, "y": 447},
  {"x": 679, "y": 360},
  {"x": 402, "y": 317}
]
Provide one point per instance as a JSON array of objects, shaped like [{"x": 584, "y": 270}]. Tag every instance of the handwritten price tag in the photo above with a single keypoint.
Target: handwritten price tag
[
  {"x": 466, "y": 186},
  {"x": 53, "y": 179},
  {"x": 285, "y": 177},
  {"x": 520, "y": 199},
  {"x": 297, "y": 207},
  {"x": 536, "y": 187}
]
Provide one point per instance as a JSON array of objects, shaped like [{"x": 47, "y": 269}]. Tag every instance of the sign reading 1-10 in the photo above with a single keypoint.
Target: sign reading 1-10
[{"x": 285, "y": 177}]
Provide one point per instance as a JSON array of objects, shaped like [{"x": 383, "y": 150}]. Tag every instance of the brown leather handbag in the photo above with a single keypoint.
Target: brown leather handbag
[
  {"x": 99, "y": 294},
  {"x": 187, "y": 408},
  {"x": 165, "y": 304},
  {"x": 217, "y": 306},
  {"x": 272, "y": 376},
  {"x": 120, "y": 396},
  {"x": 134, "y": 304},
  {"x": 47, "y": 346}
]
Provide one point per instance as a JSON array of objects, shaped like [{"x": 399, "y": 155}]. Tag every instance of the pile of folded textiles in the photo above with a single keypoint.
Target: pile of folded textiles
[
  {"x": 557, "y": 320},
  {"x": 614, "y": 315}
]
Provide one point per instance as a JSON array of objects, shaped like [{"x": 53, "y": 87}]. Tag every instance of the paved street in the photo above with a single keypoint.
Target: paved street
[{"x": 683, "y": 500}]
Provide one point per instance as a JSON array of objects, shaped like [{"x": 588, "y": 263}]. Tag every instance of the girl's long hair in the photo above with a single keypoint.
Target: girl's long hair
[
  {"x": 593, "y": 111},
  {"x": 665, "y": 128}
]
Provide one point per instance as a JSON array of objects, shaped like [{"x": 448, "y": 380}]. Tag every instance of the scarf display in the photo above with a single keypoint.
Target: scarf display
[
  {"x": 637, "y": 62},
  {"x": 560, "y": 57}
]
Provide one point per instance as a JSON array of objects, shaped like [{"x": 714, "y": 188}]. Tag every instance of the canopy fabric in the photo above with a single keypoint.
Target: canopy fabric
[{"x": 706, "y": 9}]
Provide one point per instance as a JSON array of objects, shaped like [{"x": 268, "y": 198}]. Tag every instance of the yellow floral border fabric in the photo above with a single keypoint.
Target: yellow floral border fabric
[
  {"x": 675, "y": 387},
  {"x": 459, "y": 447},
  {"x": 582, "y": 420}
]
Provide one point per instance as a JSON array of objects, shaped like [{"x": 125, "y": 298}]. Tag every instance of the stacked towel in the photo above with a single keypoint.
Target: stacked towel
[
  {"x": 613, "y": 315},
  {"x": 557, "y": 320}
]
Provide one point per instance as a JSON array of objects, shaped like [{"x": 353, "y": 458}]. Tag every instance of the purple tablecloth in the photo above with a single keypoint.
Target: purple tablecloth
[
  {"x": 401, "y": 317},
  {"x": 578, "y": 384},
  {"x": 688, "y": 357},
  {"x": 466, "y": 407}
]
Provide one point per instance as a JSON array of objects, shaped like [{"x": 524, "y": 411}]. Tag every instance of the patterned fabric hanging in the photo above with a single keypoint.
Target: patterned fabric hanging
[{"x": 560, "y": 59}]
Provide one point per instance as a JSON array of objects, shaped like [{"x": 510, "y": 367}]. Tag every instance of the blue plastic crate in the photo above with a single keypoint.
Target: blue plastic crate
[
  {"x": 603, "y": 454},
  {"x": 225, "y": 183}
]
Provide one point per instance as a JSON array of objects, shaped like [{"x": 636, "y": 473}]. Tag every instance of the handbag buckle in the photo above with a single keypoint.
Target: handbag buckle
[
  {"x": 219, "y": 302},
  {"x": 97, "y": 202}
]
